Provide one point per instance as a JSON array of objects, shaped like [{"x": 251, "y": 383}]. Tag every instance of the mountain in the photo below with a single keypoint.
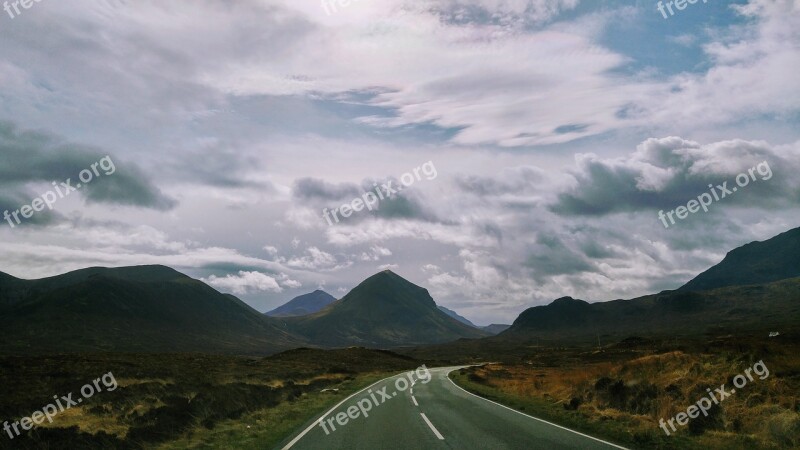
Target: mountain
[
  {"x": 495, "y": 328},
  {"x": 775, "y": 259},
  {"x": 303, "y": 305},
  {"x": 385, "y": 310},
  {"x": 456, "y": 316},
  {"x": 131, "y": 309},
  {"x": 492, "y": 329},
  {"x": 671, "y": 313}
]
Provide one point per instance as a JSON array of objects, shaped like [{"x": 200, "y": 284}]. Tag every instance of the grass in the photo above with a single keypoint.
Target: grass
[
  {"x": 269, "y": 427},
  {"x": 184, "y": 400},
  {"x": 620, "y": 393}
]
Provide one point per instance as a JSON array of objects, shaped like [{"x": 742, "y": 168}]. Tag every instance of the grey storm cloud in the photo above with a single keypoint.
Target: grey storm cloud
[
  {"x": 36, "y": 157},
  {"x": 516, "y": 181},
  {"x": 219, "y": 163},
  {"x": 665, "y": 173},
  {"x": 552, "y": 257},
  {"x": 312, "y": 189},
  {"x": 401, "y": 205},
  {"x": 11, "y": 201}
]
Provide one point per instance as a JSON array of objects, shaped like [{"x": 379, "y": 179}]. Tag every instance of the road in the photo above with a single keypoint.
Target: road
[{"x": 433, "y": 415}]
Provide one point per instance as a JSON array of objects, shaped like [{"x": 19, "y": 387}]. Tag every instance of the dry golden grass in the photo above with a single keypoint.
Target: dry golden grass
[
  {"x": 87, "y": 423},
  {"x": 660, "y": 385}
]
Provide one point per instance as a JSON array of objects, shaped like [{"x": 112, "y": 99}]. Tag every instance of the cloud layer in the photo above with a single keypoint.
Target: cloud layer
[{"x": 559, "y": 129}]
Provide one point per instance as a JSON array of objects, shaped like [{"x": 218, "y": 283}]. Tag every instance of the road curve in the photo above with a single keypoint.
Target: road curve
[{"x": 433, "y": 415}]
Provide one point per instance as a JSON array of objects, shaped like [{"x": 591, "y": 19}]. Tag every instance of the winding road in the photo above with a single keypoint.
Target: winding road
[{"x": 433, "y": 415}]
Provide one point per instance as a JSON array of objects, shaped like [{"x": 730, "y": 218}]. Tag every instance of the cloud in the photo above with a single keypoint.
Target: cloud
[
  {"x": 514, "y": 181},
  {"x": 666, "y": 172},
  {"x": 244, "y": 283},
  {"x": 14, "y": 200},
  {"x": 320, "y": 195},
  {"x": 552, "y": 257},
  {"x": 748, "y": 77},
  {"x": 315, "y": 189},
  {"x": 375, "y": 253},
  {"x": 37, "y": 158},
  {"x": 315, "y": 259},
  {"x": 214, "y": 162},
  {"x": 253, "y": 115}
]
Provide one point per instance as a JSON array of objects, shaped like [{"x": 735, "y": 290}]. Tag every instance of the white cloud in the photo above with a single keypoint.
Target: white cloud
[
  {"x": 245, "y": 282},
  {"x": 315, "y": 259},
  {"x": 752, "y": 73}
]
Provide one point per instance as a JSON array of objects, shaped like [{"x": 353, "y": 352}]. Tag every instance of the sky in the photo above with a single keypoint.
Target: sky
[{"x": 547, "y": 135}]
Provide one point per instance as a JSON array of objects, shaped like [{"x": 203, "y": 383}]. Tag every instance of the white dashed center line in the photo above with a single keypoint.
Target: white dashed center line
[{"x": 433, "y": 428}]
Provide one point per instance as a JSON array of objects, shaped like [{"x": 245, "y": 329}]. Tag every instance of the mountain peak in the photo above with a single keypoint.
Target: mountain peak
[
  {"x": 757, "y": 262},
  {"x": 387, "y": 273},
  {"x": 303, "y": 304},
  {"x": 383, "y": 310},
  {"x": 377, "y": 286}
]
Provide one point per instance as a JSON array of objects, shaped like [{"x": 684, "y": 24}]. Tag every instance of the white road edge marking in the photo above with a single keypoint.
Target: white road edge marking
[
  {"x": 316, "y": 421},
  {"x": 447, "y": 375},
  {"x": 433, "y": 428},
  {"x": 415, "y": 401}
]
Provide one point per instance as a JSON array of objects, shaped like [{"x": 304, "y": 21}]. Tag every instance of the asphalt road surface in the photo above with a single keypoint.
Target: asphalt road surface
[{"x": 433, "y": 415}]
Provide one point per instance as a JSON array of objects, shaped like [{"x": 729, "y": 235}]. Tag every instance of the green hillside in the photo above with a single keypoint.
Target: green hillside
[
  {"x": 671, "y": 313},
  {"x": 145, "y": 308},
  {"x": 775, "y": 259},
  {"x": 385, "y": 310},
  {"x": 303, "y": 304}
]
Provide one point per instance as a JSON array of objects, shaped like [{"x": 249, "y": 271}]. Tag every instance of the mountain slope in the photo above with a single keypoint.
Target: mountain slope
[
  {"x": 303, "y": 305},
  {"x": 495, "y": 328},
  {"x": 775, "y": 259},
  {"x": 385, "y": 310},
  {"x": 145, "y": 308},
  {"x": 456, "y": 316},
  {"x": 755, "y": 307}
]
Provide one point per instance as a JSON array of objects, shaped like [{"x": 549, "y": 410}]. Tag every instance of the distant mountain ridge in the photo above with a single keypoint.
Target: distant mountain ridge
[
  {"x": 158, "y": 309},
  {"x": 756, "y": 286},
  {"x": 385, "y": 310},
  {"x": 762, "y": 262},
  {"x": 303, "y": 305},
  {"x": 495, "y": 328},
  {"x": 457, "y": 316},
  {"x": 754, "y": 307},
  {"x": 138, "y": 309}
]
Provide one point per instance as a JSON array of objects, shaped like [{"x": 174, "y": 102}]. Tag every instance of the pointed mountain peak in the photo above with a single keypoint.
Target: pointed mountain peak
[
  {"x": 386, "y": 282},
  {"x": 303, "y": 304},
  {"x": 384, "y": 310}
]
